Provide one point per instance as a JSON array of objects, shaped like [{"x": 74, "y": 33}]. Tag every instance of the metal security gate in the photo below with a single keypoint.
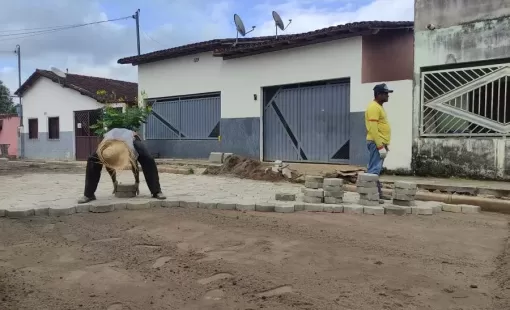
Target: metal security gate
[
  {"x": 86, "y": 140},
  {"x": 185, "y": 118},
  {"x": 307, "y": 122}
]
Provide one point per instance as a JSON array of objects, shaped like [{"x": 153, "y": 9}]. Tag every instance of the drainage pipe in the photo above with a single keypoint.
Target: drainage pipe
[{"x": 486, "y": 204}]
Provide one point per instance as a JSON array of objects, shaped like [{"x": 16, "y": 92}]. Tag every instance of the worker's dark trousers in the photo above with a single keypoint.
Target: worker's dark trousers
[{"x": 150, "y": 171}]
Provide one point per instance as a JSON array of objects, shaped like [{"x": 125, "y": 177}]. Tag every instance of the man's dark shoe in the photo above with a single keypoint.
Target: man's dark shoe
[
  {"x": 86, "y": 199},
  {"x": 159, "y": 196}
]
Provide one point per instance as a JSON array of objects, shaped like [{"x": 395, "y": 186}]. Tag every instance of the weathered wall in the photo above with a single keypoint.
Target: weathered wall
[
  {"x": 467, "y": 31},
  {"x": 9, "y": 133}
]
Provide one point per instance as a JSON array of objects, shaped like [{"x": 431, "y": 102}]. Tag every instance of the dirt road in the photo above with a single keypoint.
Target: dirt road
[{"x": 209, "y": 259}]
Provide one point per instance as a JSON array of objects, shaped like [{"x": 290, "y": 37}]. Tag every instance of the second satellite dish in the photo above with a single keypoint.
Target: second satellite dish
[
  {"x": 58, "y": 72},
  {"x": 279, "y": 22},
  {"x": 241, "y": 30}
]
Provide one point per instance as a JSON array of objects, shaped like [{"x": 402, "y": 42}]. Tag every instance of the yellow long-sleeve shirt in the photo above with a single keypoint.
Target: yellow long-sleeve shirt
[{"x": 378, "y": 128}]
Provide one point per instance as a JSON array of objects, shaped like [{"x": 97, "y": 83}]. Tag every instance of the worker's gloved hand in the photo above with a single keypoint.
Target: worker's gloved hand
[
  {"x": 115, "y": 187},
  {"x": 382, "y": 152}
]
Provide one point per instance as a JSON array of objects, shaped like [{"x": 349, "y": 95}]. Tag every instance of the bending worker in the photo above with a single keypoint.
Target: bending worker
[
  {"x": 378, "y": 132},
  {"x": 120, "y": 150}
]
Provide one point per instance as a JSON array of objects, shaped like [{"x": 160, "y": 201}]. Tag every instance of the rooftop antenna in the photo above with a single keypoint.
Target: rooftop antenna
[
  {"x": 240, "y": 27},
  {"x": 279, "y": 23},
  {"x": 59, "y": 73}
]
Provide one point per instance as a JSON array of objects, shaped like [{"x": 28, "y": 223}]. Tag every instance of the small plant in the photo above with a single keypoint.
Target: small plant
[{"x": 132, "y": 118}]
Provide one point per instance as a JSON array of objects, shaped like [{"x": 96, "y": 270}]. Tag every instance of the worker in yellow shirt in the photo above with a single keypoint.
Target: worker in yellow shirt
[{"x": 378, "y": 132}]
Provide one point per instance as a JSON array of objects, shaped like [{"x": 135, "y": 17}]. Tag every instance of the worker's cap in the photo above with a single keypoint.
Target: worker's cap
[{"x": 382, "y": 88}]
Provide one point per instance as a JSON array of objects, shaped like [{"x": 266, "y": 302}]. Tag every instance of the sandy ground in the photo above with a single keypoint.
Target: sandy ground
[{"x": 209, "y": 259}]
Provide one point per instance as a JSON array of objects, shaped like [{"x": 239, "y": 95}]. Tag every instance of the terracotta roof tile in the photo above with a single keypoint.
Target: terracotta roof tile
[
  {"x": 224, "y": 48},
  {"x": 88, "y": 86}
]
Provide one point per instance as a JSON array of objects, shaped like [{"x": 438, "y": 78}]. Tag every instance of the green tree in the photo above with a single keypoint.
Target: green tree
[{"x": 6, "y": 103}]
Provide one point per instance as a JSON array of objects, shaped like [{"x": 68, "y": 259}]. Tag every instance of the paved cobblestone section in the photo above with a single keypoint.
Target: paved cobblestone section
[{"x": 56, "y": 195}]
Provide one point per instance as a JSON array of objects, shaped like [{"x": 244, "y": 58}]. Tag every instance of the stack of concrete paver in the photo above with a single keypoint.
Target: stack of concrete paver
[
  {"x": 313, "y": 192},
  {"x": 366, "y": 187},
  {"x": 333, "y": 191},
  {"x": 404, "y": 193}
]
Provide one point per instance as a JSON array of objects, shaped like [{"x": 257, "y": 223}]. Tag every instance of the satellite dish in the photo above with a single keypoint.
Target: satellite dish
[
  {"x": 58, "y": 72},
  {"x": 241, "y": 30},
  {"x": 279, "y": 23}
]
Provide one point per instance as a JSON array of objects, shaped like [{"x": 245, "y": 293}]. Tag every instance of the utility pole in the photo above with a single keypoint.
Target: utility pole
[
  {"x": 22, "y": 138},
  {"x": 137, "y": 18}
]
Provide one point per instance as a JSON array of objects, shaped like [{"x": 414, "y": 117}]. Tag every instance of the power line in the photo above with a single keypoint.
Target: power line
[
  {"x": 21, "y": 35},
  {"x": 150, "y": 38}
]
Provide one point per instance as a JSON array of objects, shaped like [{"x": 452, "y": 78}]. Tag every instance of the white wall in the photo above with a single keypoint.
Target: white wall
[
  {"x": 238, "y": 79},
  {"x": 399, "y": 109},
  {"x": 48, "y": 99}
]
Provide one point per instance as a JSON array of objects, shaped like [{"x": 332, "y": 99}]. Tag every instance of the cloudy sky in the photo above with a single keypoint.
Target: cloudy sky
[{"x": 94, "y": 50}]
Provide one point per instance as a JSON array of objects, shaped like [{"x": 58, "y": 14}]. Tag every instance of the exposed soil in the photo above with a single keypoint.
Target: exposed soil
[
  {"x": 245, "y": 168},
  {"x": 21, "y": 167},
  {"x": 208, "y": 259}
]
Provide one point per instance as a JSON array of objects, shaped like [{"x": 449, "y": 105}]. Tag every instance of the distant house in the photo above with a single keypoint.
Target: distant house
[
  {"x": 58, "y": 112},
  {"x": 297, "y": 97},
  {"x": 9, "y": 134}
]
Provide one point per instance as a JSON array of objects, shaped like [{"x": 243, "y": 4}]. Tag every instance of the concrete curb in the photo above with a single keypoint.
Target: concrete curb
[
  {"x": 110, "y": 206},
  {"x": 486, "y": 204}
]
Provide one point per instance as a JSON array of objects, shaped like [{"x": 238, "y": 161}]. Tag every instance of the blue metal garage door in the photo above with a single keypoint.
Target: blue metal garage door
[{"x": 308, "y": 123}]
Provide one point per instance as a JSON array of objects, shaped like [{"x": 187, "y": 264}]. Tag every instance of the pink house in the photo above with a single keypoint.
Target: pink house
[{"x": 9, "y": 133}]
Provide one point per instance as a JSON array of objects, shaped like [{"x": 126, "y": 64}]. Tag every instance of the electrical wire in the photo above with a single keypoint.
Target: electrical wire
[
  {"x": 21, "y": 35},
  {"x": 150, "y": 38}
]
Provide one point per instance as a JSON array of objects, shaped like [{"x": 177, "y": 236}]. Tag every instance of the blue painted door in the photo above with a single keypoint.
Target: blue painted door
[{"x": 308, "y": 123}]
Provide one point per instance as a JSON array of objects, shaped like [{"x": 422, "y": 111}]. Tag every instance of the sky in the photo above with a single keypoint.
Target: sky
[{"x": 94, "y": 50}]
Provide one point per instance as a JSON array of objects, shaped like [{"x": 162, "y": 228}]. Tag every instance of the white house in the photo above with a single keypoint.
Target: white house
[
  {"x": 295, "y": 98},
  {"x": 57, "y": 113}
]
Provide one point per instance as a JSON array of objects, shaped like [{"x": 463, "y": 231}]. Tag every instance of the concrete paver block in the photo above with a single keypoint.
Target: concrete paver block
[
  {"x": 189, "y": 204},
  {"x": 333, "y": 188},
  {"x": 285, "y": 197},
  {"x": 207, "y": 205},
  {"x": 451, "y": 208},
  {"x": 373, "y": 210},
  {"x": 470, "y": 209},
  {"x": 16, "y": 214},
  {"x": 403, "y": 203},
  {"x": 216, "y": 157},
  {"x": 82, "y": 208},
  {"x": 369, "y": 203},
  {"x": 368, "y": 177},
  {"x": 226, "y": 206},
  {"x": 138, "y": 205},
  {"x": 336, "y": 194},
  {"x": 245, "y": 207},
  {"x": 226, "y": 155},
  {"x": 314, "y": 192},
  {"x": 313, "y": 185},
  {"x": 2, "y": 213},
  {"x": 314, "y": 207},
  {"x": 284, "y": 209},
  {"x": 170, "y": 204},
  {"x": 61, "y": 211},
  {"x": 402, "y": 197},
  {"x": 309, "y": 199},
  {"x": 436, "y": 208},
  {"x": 314, "y": 179},
  {"x": 374, "y": 197},
  {"x": 400, "y": 191},
  {"x": 395, "y": 210},
  {"x": 333, "y": 182},
  {"x": 353, "y": 209},
  {"x": 264, "y": 207},
  {"x": 156, "y": 203},
  {"x": 120, "y": 205},
  {"x": 299, "y": 207},
  {"x": 104, "y": 208},
  {"x": 333, "y": 208},
  {"x": 422, "y": 210},
  {"x": 367, "y": 190},
  {"x": 333, "y": 200},
  {"x": 404, "y": 185},
  {"x": 366, "y": 183},
  {"x": 43, "y": 211}
]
